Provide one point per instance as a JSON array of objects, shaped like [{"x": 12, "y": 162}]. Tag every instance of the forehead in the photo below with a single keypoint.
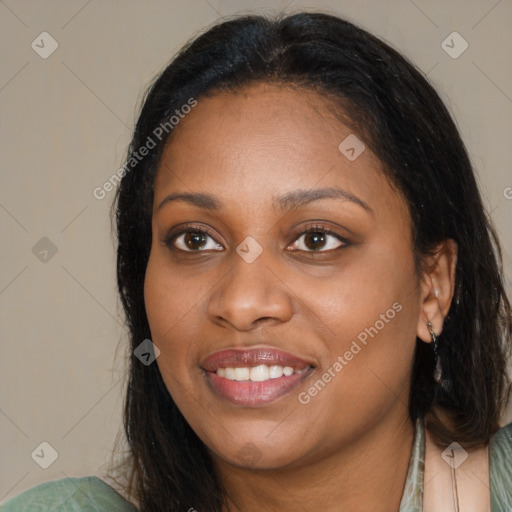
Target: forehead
[
  {"x": 259, "y": 119},
  {"x": 260, "y": 141}
]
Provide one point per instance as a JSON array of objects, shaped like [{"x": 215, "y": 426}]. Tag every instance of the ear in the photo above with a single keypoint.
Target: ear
[{"x": 437, "y": 288}]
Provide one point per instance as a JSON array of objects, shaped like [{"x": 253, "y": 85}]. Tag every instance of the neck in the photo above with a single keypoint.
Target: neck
[{"x": 369, "y": 474}]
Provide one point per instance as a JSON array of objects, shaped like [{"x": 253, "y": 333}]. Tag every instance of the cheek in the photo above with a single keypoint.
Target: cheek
[
  {"x": 371, "y": 310},
  {"x": 374, "y": 292},
  {"x": 172, "y": 315},
  {"x": 173, "y": 303},
  {"x": 366, "y": 375}
]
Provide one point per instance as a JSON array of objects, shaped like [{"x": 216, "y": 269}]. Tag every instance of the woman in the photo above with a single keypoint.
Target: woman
[{"x": 312, "y": 286}]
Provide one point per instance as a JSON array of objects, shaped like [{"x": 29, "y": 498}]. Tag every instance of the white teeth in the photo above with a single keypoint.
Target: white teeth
[
  {"x": 242, "y": 373},
  {"x": 258, "y": 373},
  {"x": 276, "y": 372}
]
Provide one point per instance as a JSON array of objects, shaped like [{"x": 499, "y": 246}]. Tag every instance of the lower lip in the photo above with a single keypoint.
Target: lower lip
[{"x": 253, "y": 394}]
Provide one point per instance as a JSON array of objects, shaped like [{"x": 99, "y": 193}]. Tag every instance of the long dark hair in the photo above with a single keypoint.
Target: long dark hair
[{"x": 391, "y": 106}]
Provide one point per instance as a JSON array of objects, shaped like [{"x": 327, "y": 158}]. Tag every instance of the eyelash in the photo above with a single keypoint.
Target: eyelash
[{"x": 316, "y": 228}]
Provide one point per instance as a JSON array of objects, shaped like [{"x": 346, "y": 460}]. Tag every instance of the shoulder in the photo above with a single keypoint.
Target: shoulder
[
  {"x": 86, "y": 494},
  {"x": 500, "y": 467}
]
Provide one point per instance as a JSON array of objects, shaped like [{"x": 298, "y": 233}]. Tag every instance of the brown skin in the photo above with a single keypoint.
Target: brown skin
[{"x": 349, "y": 447}]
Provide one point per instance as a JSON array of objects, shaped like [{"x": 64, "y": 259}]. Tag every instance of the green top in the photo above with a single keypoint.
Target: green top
[
  {"x": 86, "y": 494},
  {"x": 90, "y": 494}
]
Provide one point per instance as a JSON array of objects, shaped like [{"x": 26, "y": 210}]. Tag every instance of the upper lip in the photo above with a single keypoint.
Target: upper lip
[{"x": 248, "y": 357}]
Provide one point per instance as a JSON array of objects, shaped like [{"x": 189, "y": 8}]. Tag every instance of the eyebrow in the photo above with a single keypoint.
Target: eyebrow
[{"x": 288, "y": 201}]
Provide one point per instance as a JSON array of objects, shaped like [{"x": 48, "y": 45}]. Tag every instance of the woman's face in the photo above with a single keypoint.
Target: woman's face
[{"x": 279, "y": 346}]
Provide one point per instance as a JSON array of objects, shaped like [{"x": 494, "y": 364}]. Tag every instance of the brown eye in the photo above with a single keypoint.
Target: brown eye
[
  {"x": 314, "y": 240},
  {"x": 319, "y": 239},
  {"x": 193, "y": 240}
]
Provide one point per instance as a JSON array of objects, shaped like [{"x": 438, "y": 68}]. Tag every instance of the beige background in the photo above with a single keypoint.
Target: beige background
[{"x": 65, "y": 124}]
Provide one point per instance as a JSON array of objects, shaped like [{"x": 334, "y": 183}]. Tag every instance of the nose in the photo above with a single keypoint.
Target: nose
[{"x": 250, "y": 295}]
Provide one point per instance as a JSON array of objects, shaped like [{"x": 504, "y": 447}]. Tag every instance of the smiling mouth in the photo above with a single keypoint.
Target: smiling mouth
[{"x": 255, "y": 377}]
